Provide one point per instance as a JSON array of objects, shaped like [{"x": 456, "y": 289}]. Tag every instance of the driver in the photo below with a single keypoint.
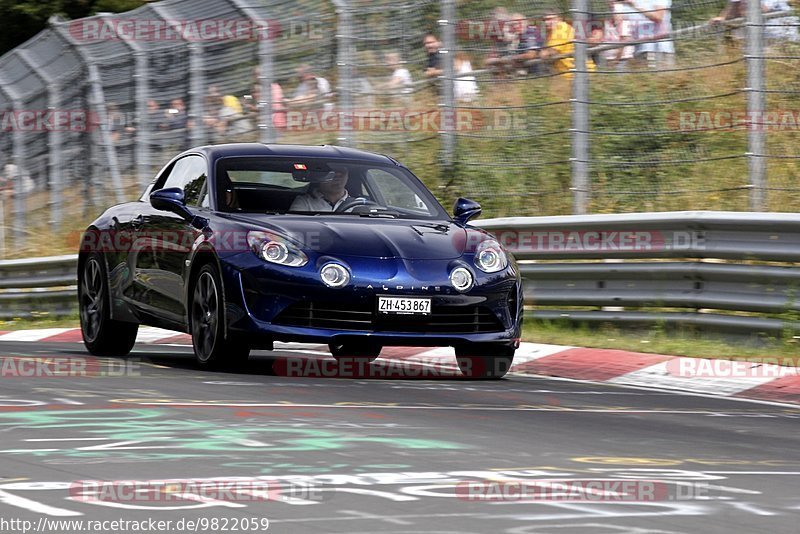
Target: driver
[{"x": 324, "y": 196}]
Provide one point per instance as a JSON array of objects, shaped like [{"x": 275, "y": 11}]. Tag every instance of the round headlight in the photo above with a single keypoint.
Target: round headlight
[
  {"x": 461, "y": 279},
  {"x": 334, "y": 275},
  {"x": 275, "y": 252},
  {"x": 490, "y": 257}
]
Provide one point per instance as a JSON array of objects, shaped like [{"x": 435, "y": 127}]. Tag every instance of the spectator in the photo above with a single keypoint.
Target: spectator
[
  {"x": 232, "y": 121},
  {"x": 115, "y": 123},
  {"x": 212, "y": 104},
  {"x": 433, "y": 66},
  {"x": 465, "y": 88},
  {"x": 653, "y": 20},
  {"x": 400, "y": 80},
  {"x": 312, "y": 88},
  {"x": 155, "y": 118},
  {"x": 620, "y": 30},
  {"x": 560, "y": 41},
  {"x": 503, "y": 34},
  {"x": 521, "y": 44},
  {"x": 784, "y": 28},
  {"x": 278, "y": 108},
  {"x": 362, "y": 89},
  {"x": 530, "y": 42},
  {"x": 176, "y": 117}
]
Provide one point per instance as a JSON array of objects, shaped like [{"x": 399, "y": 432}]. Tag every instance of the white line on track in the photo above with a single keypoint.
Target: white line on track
[{"x": 401, "y": 407}]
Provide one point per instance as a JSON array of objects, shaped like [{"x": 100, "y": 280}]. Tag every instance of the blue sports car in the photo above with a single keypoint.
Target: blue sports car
[{"x": 240, "y": 245}]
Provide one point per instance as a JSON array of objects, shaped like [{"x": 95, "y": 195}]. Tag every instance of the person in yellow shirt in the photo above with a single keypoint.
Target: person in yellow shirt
[{"x": 560, "y": 41}]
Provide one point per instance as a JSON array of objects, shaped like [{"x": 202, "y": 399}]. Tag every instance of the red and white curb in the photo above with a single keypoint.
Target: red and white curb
[{"x": 749, "y": 380}]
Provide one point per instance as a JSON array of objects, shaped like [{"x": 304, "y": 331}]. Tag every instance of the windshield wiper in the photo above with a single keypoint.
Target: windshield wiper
[{"x": 379, "y": 214}]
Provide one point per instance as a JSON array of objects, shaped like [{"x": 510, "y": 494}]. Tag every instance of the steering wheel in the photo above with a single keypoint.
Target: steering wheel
[{"x": 353, "y": 202}]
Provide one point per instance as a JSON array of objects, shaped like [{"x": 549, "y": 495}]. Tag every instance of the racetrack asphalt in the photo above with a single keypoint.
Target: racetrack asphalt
[{"x": 366, "y": 455}]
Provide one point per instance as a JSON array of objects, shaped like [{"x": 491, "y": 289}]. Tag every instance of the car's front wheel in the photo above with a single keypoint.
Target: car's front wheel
[
  {"x": 485, "y": 361},
  {"x": 211, "y": 347},
  {"x": 102, "y": 335},
  {"x": 368, "y": 352}
]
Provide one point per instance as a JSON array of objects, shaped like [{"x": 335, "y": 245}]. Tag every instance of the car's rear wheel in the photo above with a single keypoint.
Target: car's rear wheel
[
  {"x": 102, "y": 335},
  {"x": 485, "y": 361},
  {"x": 359, "y": 351},
  {"x": 211, "y": 347}
]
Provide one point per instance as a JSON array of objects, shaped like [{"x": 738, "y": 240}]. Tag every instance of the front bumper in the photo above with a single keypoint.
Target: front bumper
[{"x": 286, "y": 304}]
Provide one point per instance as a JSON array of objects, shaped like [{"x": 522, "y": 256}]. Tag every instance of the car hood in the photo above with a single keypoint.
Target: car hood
[{"x": 366, "y": 237}]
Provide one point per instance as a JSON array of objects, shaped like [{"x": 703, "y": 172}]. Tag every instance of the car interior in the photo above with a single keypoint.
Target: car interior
[{"x": 259, "y": 197}]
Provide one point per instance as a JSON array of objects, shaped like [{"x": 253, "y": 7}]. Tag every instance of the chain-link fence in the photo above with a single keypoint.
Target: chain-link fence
[{"x": 531, "y": 107}]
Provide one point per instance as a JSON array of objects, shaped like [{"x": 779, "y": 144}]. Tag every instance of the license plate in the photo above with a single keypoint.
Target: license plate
[{"x": 404, "y": 305}]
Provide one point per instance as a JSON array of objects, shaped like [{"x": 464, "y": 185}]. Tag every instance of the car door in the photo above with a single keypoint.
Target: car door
[{"x": 163, "y": 243}]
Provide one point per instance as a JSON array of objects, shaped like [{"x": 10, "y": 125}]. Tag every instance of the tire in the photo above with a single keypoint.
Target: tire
[
  {"x": 102, "y": 335},
  {"x": 368, "y": 352},
  {"x": 206, "y": 323},
  {"x": 489, "y": 361}
]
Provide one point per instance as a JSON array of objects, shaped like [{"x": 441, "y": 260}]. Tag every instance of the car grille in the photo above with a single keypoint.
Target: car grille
[{"x": 339, "y": 316}]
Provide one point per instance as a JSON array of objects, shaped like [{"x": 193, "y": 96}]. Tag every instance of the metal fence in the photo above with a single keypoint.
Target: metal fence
[
  {"x": 722, "y": 271},
  {"x": 602, "y": 124}
]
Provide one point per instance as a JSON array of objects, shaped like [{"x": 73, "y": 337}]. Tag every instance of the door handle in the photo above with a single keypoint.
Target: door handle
[{"x": 137, "y": 222}]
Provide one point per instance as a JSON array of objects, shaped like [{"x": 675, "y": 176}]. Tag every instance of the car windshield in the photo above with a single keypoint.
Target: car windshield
[{"x": 313, "y": 186}]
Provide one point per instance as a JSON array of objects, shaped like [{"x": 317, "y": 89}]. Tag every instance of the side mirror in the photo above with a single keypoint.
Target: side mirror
[
  {"x": 465, "y": 209},
  {"x": 171, "y": 199}
]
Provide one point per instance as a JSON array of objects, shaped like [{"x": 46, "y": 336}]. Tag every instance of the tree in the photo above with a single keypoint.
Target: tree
[{"x": 22, "y": 19}]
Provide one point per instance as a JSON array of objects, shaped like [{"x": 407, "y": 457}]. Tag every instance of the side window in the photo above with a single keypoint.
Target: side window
[
  {"x": 395, "y": 192},
  {"x": 189, "y": 174}
]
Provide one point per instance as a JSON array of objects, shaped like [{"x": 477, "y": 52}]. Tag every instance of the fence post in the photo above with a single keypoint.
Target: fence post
[
  {"x": 264, "y": 105},
  {"x": 20, "y": 193},
  {"x": 98, "y": 105},
  {"x": 756, "y": 146},
  {"x": 54, "y": 137},
  {"x": 197, "y": 130},
  {"x": 141, "y": 77},
  {"x": 447, "y": 100},
  {"x": 345, "y": 60},
  {"x": 580, "y": 111},
  {"x": 266, "y": 125}
]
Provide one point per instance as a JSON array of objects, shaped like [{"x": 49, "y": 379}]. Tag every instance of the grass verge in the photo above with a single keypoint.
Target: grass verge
[{"x": 657, "y": 340}]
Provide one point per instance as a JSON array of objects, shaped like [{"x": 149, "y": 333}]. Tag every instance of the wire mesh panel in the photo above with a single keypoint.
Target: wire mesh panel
[
  {"x": 50, "y": 54},
  {"x": 660, "y": 134},
  {"x": 781, "y": 119},
  {"x": 103, "y": 48},
  {"x": 303, "y": 39},
  {"x": 31, "y": 93},
  {"x": 513, "y": 109},
  {"x": 395, "y": 106},
  {"x": 222, "y": 67}
]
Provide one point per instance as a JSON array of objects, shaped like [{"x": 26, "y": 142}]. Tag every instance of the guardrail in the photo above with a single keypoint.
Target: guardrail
[
  {"x": 716, "y": 270},
  {"x": 38, "y": 286},
  {"x": 721, "y": 270}
]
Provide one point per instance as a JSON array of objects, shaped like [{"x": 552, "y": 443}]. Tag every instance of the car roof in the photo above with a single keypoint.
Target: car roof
[{"x": 214, "y": 152}]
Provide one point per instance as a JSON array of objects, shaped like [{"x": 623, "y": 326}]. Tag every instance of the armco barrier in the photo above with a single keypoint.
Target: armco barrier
[
  {"x": 716, "y": 270},
  {"x": 38, "y": 286},
  {"x": 720, "y": 270}
]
